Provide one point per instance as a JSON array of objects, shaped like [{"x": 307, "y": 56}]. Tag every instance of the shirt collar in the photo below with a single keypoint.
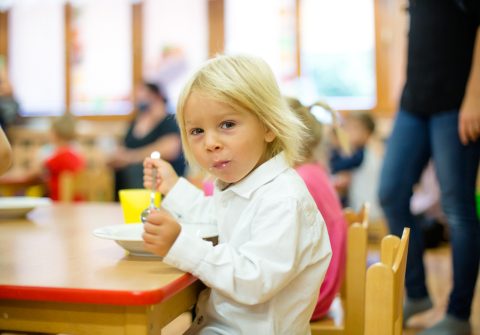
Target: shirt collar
[{"x": 258, "y": 177}]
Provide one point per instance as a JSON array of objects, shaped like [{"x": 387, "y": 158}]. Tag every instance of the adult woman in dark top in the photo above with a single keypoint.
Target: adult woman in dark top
[
  {"x": 439, "y": 117},
  {"x": 152, "y": 129}
]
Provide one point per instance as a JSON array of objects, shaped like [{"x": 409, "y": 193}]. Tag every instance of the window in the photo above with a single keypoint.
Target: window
[
  {"x": 101, "y": 57},
  {"x": 174, "y": 41},
  {"x": 265, "y": 29},
  {"x": 338, "y": 53},
  {"x": 36, "y": 57}
]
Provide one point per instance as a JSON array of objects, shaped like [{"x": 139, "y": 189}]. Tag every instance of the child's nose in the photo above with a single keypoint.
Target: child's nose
[{"x": 212, "y": 142}]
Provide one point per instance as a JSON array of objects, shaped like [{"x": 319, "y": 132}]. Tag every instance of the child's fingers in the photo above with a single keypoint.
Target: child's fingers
[
  {"x": 149, "y": 163},
  {"x": 151, "y": 228},
  {"x": 158, "y": 216},
  {"x": 148, "y": 238},
  {"x": 148, "y": 181}
]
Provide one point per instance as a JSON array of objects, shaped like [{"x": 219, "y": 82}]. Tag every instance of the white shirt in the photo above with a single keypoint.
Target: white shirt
[
  {"x": 273, "y": 252},
  {"x": 364, "y": 185}
]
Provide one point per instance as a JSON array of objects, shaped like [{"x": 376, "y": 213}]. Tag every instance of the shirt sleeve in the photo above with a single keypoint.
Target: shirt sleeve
[
  {"x": 345, "y": 163},
  {"x": 286, "y": 238},
  {"x": 188, "y": 203}
]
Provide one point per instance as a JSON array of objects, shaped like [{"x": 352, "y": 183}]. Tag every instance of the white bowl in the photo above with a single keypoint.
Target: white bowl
[
  {"x": 14, "y": 207},
  {"x": 129, "y": 236}
]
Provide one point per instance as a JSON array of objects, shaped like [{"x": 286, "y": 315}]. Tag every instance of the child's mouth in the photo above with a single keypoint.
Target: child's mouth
[{"x": 220, "y": 165}]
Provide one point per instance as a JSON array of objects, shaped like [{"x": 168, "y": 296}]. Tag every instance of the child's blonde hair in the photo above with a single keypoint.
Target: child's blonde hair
[
  {"x": 64, "y": 127},
  {"x": 247, "y": 83},
  {"x": 315, "y": 129}
]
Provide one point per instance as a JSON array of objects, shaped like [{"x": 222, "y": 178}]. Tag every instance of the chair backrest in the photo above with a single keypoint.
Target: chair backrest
[
  {"x": 385, "y": 287},
  {"x": 356, "y": 267},
  {"x": 353, "y": 287},
  {"x": 89, "y": 185}
]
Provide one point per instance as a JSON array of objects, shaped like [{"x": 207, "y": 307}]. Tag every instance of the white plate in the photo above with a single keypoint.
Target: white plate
[
  {"x": 11, "y": 207},
  {"x": 129, "y": 236}
]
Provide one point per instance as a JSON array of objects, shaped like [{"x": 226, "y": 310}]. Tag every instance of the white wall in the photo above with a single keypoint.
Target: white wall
[{"x": 36, "y": 56}]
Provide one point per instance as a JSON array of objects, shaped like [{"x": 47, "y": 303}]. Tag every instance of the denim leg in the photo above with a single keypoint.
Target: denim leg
[
  {"x": 456, "y": 166},
  {"x": 407, "y": 154}
]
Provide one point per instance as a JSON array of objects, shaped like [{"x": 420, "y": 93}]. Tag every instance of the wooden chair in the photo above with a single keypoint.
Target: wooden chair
[
  {"x": 385, "y": 287},
  {"x": 353, "y": 289},
  {"x": 89, "y": 185}
]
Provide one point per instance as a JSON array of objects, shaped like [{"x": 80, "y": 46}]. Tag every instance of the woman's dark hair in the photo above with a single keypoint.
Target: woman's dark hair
[{"x": 156, "y": 89}]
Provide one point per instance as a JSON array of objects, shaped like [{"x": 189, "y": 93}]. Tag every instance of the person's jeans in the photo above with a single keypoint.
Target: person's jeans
[{"x": 413, "y": 141}]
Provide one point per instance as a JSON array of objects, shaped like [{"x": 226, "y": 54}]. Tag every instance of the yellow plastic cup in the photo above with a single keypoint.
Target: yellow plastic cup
[{"x": 134, "y": 201}]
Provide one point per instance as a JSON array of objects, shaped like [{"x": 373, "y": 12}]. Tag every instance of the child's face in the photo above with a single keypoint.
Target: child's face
[
  {"x": 357, "y": 132},
  {"x": 226, "y": 142}
]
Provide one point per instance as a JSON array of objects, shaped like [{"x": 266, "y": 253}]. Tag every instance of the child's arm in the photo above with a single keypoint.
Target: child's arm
[
  {"x": 285, "y": 239},
  {"x": 344, "y": 163},
  {"x": 5, "y": 153},
  {"x": 341, "y": 182}
]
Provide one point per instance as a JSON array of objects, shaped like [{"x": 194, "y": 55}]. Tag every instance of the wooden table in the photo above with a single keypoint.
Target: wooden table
[{"x": 56, "y": 277}]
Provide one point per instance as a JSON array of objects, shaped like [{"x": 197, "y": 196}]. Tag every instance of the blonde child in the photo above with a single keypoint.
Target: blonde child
[
  {"x": 315, "y": 175},
  {"x": 264, "y": 275},
  {"x": 360, "y": 127},
  {"x": 356, "y": 177}
]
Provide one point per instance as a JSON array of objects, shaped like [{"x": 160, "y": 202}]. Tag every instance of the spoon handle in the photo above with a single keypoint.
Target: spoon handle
[
  {"x": 152, "y": 193},
  {"x": 154, "y": 155}
]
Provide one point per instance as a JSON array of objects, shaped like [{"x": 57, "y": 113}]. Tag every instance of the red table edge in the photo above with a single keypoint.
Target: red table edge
[{"x": 93, "y": 296}]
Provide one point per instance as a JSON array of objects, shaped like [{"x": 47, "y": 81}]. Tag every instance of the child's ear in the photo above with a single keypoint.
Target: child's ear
[{"x": 269, "y": 136}]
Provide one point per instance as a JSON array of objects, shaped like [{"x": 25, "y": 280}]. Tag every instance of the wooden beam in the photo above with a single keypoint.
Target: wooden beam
[
  {"x": 68, "y": 18},
  {"x": 137, "y": 46},
  {"x": 4, "y": 36},
  {"x": 390, "y": 54},
  {"x": 298, "y": 39},
  {"x": 216, "y": 27}
]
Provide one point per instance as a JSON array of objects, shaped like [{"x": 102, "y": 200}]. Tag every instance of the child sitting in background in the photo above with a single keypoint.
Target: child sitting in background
[
  {"x": 355, "y": 177},
  {"x": 64, "y": 158},
  {"x": 315, "y": 176},
  {"x": 273, "y": 252},
  {"x": 359, "y": 126}
]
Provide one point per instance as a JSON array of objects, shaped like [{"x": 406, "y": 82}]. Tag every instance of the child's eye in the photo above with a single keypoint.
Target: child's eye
[
  {"x": 227, "y": 124},
  {"x": 196, "y": 131}
]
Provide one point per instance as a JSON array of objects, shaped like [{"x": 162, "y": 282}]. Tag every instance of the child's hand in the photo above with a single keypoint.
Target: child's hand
[
  {"x": 161, "y": 231},
  {"x": 166, "y": 175},
  {"x": 341, "y": 182}
]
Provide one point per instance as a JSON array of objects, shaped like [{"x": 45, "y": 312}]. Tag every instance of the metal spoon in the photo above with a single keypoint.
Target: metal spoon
[{"x": 151, "y": 207}]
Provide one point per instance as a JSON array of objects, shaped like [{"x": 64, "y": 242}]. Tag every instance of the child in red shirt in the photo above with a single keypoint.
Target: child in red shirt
[{"x": 64, "y": 158}]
